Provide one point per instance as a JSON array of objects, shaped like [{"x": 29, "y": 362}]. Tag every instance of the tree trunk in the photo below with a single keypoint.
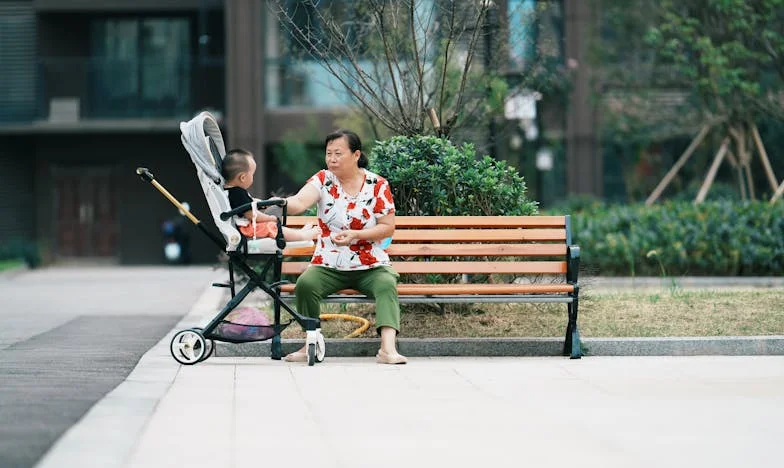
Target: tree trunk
[{"x": 739, "y": 172}]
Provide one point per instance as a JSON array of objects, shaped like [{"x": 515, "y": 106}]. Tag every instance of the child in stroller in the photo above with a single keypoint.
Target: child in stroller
[{"x": 238, "y": 169}]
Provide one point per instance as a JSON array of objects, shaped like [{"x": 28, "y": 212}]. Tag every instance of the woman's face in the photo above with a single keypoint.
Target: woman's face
[{"x": 339, "y": 156}]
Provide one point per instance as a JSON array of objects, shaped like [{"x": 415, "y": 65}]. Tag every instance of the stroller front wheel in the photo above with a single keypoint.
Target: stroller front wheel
[
  {"x": 316, "y": 346},
  {"x": 311, "y": 354},
  {"x": 188, "y": 347},
  {"x": 321, "y": 348}
]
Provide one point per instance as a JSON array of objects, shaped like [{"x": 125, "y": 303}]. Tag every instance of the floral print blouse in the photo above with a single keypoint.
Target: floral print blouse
[{"x": 339, "y": 211}]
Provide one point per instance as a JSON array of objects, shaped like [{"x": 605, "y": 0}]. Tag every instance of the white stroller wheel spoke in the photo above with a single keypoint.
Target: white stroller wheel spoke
[{"x": 188, "y": 347}]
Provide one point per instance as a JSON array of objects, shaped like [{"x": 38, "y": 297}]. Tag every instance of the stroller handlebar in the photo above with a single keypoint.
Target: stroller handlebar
[
  {"x": 259, "y": 204},
  {"x": 145, "y": 174}
]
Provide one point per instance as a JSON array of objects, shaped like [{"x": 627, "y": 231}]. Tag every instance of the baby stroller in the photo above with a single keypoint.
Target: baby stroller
[{"x": 202, "y": 139}]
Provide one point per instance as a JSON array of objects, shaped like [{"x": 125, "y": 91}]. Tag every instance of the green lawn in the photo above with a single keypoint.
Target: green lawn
[{"x": 9, "y": 264}]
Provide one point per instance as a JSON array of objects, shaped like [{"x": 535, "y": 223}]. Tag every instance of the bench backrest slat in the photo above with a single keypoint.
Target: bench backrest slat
[
  {"x": 403, "y": 222},
  {"x": 458, "y": 250},
  {"x": 478, "y": 235}
]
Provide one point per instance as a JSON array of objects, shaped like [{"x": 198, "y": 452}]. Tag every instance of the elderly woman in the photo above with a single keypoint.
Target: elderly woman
[{"x": 355, "y": 213}]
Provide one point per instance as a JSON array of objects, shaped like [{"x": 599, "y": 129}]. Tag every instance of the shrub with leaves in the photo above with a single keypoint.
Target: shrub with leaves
[
  {"x": 19, "y": 249},
  {"x": 678, "y": 238},
  {"x": 432, "y": 176}
]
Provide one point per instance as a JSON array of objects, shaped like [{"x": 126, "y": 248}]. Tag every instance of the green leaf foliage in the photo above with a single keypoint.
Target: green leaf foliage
[
  {"x": 714, "y": 238},
  {"x": 432, "y": 176},
  {"x": 19, "y": 249},
  {"x": 671, "y": 66}
]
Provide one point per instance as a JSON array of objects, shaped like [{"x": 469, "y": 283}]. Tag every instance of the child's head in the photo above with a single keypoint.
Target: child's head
[{"x": 238, "y": 168}]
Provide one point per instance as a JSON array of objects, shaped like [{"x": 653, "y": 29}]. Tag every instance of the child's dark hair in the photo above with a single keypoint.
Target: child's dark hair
[
  {"x": 235, "y": 162},
  {"x": 354, "y": 144}
]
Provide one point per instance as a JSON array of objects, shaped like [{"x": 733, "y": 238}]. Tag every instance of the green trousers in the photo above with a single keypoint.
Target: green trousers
[{"x": 379, "y": 283}]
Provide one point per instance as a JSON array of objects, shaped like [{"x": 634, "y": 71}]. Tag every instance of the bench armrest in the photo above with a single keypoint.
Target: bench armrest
[{"x": 572, "y": 263}]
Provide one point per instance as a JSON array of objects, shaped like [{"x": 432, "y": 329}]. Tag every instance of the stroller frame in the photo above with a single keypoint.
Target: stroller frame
[{"x": 193, "y": 345}]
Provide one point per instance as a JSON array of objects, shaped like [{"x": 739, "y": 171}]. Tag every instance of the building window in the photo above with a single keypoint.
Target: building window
[
  {"x": 141, "y": 67},
  {"x": 17, "y": 62},
  {"x": 295, "y": 78}
]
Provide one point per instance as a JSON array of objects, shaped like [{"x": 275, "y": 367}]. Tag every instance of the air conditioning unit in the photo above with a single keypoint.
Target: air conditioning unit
[{"x": 64, "y": 109}]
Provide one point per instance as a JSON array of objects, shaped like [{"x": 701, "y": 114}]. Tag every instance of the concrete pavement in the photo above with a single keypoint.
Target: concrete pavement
[
  {"x": 351, "y": 412},
  {"x": 68, "y": 336}
]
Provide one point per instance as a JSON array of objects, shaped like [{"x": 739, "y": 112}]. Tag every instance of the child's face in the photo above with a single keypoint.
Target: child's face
[{"x": 245, "y": 179}]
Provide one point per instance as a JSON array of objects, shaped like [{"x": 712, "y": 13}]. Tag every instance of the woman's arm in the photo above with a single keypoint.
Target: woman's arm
[
  {"x": 304, "y": 199},
  {"x": 385, "y": 228}
]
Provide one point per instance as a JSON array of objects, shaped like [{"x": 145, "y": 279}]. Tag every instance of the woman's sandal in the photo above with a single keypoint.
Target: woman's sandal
[{"x": 387, "y": 358}]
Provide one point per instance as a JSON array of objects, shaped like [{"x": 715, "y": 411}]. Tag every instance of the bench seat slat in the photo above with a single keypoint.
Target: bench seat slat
[
  {"x": 402, "y": 222},
  {"x": 451, "y": 299},
  {"x": 547, "y": 267},
  {"x": 464, "y": 289},
  {"x": 458, "y": 250}
]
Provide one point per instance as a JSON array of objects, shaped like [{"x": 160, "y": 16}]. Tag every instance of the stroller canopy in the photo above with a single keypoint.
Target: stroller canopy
[{"x": 202, "y": 137}]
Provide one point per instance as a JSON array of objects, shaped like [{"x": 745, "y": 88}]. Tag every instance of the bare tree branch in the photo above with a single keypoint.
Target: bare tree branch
[{"x": 469, "y": 58}]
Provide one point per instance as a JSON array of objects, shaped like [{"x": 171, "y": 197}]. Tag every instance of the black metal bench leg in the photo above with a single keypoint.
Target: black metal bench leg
[
  {"x": 567, "y": 349},
  {"x": 573, "y": 332}
]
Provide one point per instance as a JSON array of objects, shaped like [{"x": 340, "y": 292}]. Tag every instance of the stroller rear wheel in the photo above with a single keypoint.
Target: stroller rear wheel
[
  {"x": 188, "y": 347},
  {"x": 210, "y": 345}
]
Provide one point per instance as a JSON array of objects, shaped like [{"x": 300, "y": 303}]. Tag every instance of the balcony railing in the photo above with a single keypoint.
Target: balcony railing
[{"x": 71, "y": 89}]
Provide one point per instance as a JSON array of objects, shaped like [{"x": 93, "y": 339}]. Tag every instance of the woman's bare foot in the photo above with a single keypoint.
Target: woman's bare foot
[
  {"x": 383, "y": 357},
  {"x": 301, "y": 355}
]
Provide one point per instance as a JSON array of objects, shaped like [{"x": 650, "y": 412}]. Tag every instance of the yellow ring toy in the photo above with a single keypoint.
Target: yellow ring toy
[{"x": 365, "y": 323}]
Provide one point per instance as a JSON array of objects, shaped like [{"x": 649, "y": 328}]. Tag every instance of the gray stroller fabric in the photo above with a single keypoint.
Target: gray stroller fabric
[{"x": 202, "y": 137}]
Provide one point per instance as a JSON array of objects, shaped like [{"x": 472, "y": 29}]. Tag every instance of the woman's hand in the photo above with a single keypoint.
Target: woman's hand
[{"x": 344, "y": 237}]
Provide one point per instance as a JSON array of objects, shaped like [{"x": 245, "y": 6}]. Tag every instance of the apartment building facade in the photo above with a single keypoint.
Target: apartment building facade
[{"x": 90, "y": 90}]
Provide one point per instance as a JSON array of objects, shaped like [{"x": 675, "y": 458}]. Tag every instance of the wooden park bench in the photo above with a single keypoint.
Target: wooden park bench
[{"x": 449, "y": 247}]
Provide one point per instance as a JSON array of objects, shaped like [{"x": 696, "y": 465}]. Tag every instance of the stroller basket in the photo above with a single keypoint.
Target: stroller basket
[{"x": 240, "y": 332}]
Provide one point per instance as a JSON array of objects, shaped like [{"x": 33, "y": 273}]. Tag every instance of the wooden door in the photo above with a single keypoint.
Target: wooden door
[{"x": 85, "y": 213}]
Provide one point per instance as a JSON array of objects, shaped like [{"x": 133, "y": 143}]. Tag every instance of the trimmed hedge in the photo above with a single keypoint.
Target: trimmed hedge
[
  {"x": 432, "y": 176},
  {"x": 18, "y": 249},
  {"x": 679, "y": 238}
]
